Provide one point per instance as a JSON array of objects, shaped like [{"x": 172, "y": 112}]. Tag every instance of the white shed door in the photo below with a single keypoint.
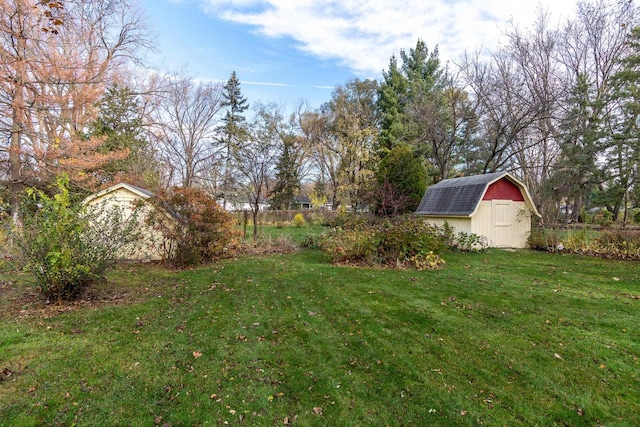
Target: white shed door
[{"x": 503, "y": 218}]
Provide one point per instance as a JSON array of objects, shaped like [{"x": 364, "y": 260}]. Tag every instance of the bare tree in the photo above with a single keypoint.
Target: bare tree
[
  {"x": 255, "y": 159},
  {"x": 504, "y": 109},
  {"x": 446, "y": 122},
  {"x": 590, "y": 51},
  {"x": 185, "y": 129},
  {"x": 535, "y": 151}
]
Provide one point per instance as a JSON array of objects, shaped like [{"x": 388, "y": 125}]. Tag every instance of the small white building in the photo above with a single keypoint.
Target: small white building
[
  {"x": 494, "y": 205},
  {"x": 126, "y": 197},
  {"x": 242, "y": 205}
]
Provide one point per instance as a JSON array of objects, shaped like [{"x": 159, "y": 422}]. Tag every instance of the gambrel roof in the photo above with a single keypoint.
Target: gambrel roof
[{"x": 461, "y": 196}]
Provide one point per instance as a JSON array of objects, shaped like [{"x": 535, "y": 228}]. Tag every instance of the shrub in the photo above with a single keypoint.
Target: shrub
[
  {"x": 411, "y": 236},
  {"x": 311, "y": 241},
  {"x": 428, "y": 261},
  {"x": 408, "y": 241},
  {"x": 348, "y": 220},
  {"x": 614, "y": 243},
  {"x": 352, "y": 245},
  {"x": 67, "y": 247},
  {"x": 470, "y": 242},
  {"x": 268, "y": 245},
  {"x": 402, "y": 181},
  {"x": 298, "y": 220},
  {"x": 196, "y": 229},
  {"x": 618, "y": 244},
  {"x": 543, "y": 240}
]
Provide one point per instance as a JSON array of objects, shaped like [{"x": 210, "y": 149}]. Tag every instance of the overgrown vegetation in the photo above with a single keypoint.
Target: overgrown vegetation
[
  {"x": 611, "y": 243},
  {"x": 194, "y": 227},
  {"x": 67, "y": 247},
  {"x": 405, "y": 242}
]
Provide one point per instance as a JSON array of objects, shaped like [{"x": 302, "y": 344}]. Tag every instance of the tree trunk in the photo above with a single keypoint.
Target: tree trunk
[
  {"x": 17, "y": 116},
  {"x": 254, "y": 213}
]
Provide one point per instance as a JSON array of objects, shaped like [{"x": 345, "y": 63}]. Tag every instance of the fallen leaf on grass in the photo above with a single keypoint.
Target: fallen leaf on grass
[
  {"x": 617, "y": 279},
  {"x": 197, "y": 354},
  {"x": 463, "y": 413},
  {"x": 317, "y": 410},
  {"x": 5, "y": 373},
  {"x": 557, "y": 356}
]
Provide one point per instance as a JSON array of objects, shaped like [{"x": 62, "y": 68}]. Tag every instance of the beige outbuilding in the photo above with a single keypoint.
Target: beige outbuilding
[
  {"x": 128, "y": 198},
  {"x": 494, "y": 205}
]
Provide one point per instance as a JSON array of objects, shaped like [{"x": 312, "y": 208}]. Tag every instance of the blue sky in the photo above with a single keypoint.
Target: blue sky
[{"x": 285, "y": 51}]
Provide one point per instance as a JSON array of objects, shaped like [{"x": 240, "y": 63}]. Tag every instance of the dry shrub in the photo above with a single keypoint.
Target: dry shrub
[
  {"x": 196, "y": 229},
  {"x": 408, "y": 241},
  {"x": 612, "y": 243},
  {"x": 265, "y": 245}
]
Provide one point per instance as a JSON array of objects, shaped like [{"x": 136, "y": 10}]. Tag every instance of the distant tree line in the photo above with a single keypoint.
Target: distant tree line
[{"x": 556, "y": 105}]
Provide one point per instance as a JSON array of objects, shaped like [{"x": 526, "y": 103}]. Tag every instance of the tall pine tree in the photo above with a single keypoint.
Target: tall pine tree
[
  {"x": 232, "y": 133},
  {"x": 287, "y": 180},
  {"x": 120, "y": 123}
]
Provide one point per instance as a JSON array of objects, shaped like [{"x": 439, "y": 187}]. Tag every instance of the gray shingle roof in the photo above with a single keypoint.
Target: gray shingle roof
[
  {"x": 142, "y": 190},
  {"x": 456, "y": 196}
]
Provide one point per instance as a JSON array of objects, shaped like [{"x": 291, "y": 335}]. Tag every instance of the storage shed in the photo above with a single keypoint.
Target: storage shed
[
  {"x": 494, "y": 205},
  {"x": 125, "y": 196}
]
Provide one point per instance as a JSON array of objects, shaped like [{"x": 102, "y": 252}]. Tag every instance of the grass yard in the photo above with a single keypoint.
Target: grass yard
[
  {"x": 296, "y": 234},
  {"x": 500, "y": 338}
]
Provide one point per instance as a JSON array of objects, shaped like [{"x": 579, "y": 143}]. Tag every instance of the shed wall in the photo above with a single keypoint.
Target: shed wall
[
  {"x": 460, "y": 224},
  {"x": 505, "y": 223},
  {"x": 125, "y": 200}
]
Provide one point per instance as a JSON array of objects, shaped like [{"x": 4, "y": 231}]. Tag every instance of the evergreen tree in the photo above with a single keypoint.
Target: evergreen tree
[
  {"x": 236, "y": 105},
  {"x": 119, "y": 122},
  {"x": 402, "y": 181},
  {"x": 576, "y": 172},
  {"x": 392, "y": 99},
  {"x": 288, "y": 182},
  {"x": 624, "y": 150},
  {"x": 232, "y": 133}
]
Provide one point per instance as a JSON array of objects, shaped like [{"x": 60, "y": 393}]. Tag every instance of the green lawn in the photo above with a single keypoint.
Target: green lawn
[
  {"x": 296, "y": 234},
  {"x": 501, "y": 338}
]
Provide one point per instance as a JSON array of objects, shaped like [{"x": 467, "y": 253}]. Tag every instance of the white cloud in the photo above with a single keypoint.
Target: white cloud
[{"x": 363, "y": 34}]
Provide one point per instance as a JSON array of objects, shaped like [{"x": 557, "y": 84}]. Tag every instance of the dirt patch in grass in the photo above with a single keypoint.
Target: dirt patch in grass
[{"x": 21, "y": 301}]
